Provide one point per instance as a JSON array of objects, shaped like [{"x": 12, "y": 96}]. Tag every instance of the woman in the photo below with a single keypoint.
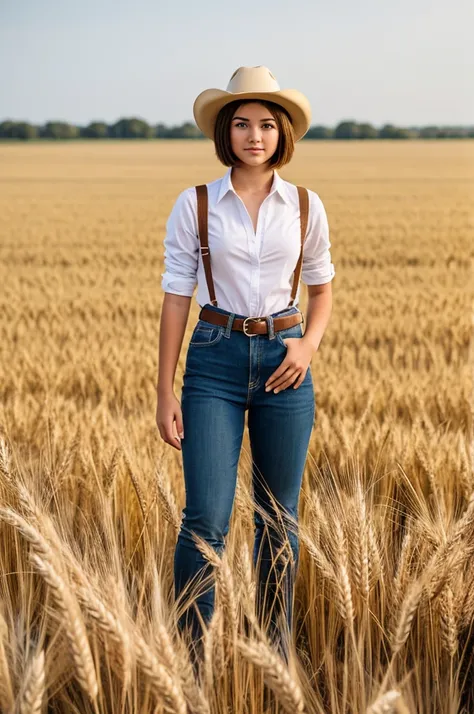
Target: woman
[{"x": 240, "y": 239}]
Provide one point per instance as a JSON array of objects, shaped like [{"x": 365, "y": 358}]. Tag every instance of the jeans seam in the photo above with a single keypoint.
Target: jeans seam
[{"x": 206, "y": 344}]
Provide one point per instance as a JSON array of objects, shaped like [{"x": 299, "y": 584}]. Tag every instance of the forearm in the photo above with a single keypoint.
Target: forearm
[
  {"x": 317, "y": 317},
  {"x": 174, "y": 317}
]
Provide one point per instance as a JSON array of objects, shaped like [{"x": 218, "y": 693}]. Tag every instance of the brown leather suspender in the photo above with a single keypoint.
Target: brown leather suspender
[
  {"x": 202, "y": 203},
  {"x": 202, "y": 215},
  {"x": 304, "y": 213}
]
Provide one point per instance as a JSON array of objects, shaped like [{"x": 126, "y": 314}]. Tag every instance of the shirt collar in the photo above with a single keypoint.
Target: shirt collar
[{"x": 278, "y": 186}]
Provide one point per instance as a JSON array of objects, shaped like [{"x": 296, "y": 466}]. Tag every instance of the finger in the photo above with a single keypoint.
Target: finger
[
  {"x": 288, "y": 383},
  {"x": 170, "y": 436},
  {"x": 176, "y": 437},
  {"x": 299, "y": 380},
  {"x": 277, "y": 373},
  {"x": 171, "y": 440},
  {"x": 179, "y": 425},
  {"x": 174, "y": 440},
  {"x": 286, "y": 378},
  {"x": 277, "y": 379},
  {"x": 284, "y": 383}
]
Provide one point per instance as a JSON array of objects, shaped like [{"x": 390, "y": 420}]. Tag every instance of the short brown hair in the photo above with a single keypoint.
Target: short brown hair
[{"x": 286, "y": 135}]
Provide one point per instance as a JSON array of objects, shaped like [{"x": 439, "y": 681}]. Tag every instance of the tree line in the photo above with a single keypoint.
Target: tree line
[{"x": 136, "y": 128}]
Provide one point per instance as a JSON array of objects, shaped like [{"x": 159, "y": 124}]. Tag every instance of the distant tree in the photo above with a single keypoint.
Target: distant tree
[
  {"x": 389, "y": 131},
  {"x": 319, "y": 132},
  {"x": 24, "y": 130},
  {"x": 136, "y": 128},
  {"x": 5, "y": 129},
  {"x": 367, "y": 131},
  {"x": 160, "y": 131},
  {"x": 96, "y": 130},
  {"x": 17, "y": 130},
  {"x": 132, "y": 128},
  {"x": 429, "y": 132},
  {"x": 347, "y": 130},
  {"x": 60, "y": 130},
  {"x": 188, "y": 130}
]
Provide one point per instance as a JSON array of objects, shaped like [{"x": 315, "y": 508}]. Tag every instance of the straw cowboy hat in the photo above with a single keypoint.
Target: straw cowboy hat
[{"x": 252, "y": 83}]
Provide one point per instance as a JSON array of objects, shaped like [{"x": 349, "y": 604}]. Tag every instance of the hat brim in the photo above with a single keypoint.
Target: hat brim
[{"x": 209, "y": 102}]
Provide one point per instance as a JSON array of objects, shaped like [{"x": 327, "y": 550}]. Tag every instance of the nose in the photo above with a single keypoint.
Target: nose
[{"x": 255, "y": 134}]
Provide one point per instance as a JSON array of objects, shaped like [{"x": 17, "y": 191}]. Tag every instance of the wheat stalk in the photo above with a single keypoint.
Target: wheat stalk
[
  {"x": 168, "y": 502},
  {"x": 32, "y": 696},
  {"x": 113, "y": 631},
  {"x": 344, "y": 590},
  {"x": 73, "y": 624},
  {"x": 275, "y": 673},
  {"x": 449, "y": 634},
  {"x": 43, "y": 558},
  {"x": 6, "y": 688},
  {"x": 408, "y": 610},
  {"x": 111, "y": 472},
  {"x": 225, "y": 580},
  {"x": 5, "y": 462},
  {"x": 402, "y": 567},
  {"x": 142, "y": 502},
  {"x": 167, "y": 687}
]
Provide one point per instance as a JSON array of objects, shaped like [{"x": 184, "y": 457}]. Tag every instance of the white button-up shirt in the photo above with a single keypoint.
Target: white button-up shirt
[{"x": 252, "y": 271}]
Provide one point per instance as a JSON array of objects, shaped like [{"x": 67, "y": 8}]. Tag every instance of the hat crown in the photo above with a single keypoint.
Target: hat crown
[{"x": 252, "y": 79}]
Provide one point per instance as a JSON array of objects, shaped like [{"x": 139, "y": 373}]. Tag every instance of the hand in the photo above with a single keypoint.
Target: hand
[
  {"x": 168, "y": 411},
  {"x": 294, "y": 366}
]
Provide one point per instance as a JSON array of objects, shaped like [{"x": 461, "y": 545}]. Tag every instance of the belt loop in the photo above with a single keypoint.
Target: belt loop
[
  {"x": 271, "y": 329},
  {"x": 230, "y": 322}
]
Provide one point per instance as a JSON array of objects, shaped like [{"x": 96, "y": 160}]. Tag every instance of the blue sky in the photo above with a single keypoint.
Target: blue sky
[{"x": 409, "y": 62}]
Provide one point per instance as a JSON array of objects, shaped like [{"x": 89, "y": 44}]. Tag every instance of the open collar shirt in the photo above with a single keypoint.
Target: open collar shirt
[{"x": 252, "y": 270}]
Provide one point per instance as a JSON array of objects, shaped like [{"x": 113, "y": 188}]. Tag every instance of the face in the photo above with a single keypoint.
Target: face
[{"x": 253, "y": 126}]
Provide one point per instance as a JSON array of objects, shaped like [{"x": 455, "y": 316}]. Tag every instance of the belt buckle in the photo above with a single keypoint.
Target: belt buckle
[{"x": 250, "y": 334}]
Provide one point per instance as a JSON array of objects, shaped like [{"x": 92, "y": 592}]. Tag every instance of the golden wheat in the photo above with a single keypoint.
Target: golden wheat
[{"x": 91, "y": 498}]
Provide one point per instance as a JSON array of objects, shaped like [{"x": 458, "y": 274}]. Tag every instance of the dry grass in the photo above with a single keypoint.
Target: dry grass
[{"x": 91, "y": 499}]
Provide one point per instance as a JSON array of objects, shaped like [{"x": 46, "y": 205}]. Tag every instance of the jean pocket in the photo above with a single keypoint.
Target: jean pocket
[
  {"x": 205, "y": 335},
  {"x": 294, "y": 331}
]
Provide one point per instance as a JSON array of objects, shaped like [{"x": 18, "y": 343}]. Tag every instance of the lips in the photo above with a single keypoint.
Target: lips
[{"x": 253, "y": 149}]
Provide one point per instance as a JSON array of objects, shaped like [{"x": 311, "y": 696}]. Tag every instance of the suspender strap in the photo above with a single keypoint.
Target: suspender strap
[
  {"x": 202, "y": 205},
  {"x": 202, "y": 214},
  {"x": 304, "y": 213}
]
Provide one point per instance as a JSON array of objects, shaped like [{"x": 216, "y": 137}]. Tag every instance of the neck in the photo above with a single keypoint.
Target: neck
[{"x": 252, "y": 179}]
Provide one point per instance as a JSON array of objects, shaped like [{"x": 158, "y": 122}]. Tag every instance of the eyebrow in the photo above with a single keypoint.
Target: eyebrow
[{"x": 245, "y": 119}]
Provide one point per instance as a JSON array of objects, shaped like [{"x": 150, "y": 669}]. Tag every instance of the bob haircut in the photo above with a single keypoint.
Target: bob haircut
[{"x": 286, "y": 136}]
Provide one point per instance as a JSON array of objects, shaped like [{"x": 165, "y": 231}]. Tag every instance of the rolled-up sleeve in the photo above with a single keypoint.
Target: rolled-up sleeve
[
  {"x": 181, "y": 246},
  {"x": 317, "y": 266}
]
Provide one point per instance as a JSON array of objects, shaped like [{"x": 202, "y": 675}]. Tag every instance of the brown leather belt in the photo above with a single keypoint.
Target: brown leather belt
[{"x": 251, "y": 325}]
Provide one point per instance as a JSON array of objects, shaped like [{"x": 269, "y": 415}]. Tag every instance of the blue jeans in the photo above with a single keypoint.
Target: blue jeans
[{"x": 225, "y": 375}]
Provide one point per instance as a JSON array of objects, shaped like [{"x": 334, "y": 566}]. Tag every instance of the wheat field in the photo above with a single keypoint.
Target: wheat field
[{"x": 91, "y": 498}]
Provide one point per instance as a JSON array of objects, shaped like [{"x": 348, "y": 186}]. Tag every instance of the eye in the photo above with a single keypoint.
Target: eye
[{"x": 242, "y": 122}]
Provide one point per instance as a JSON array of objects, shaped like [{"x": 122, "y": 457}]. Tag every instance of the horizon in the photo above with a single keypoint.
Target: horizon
[{"x": 191, "y": 121}]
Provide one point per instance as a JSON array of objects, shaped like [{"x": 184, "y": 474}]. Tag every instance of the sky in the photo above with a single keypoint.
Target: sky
[{"x": 409, "y": 62}]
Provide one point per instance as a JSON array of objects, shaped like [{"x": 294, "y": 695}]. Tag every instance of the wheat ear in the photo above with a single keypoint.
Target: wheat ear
[
  {"x": 73, "y": 623},
  {"x": 167, "y": 687},
  {"x": 31, "y": 698},
  {"x": 385, "y": 704},
  {"x": 407, "y": 613},
  {"x": 275, "y": 673},
  {"x": 44, "y": 560},
  {"x": 6, "y": 688}
]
